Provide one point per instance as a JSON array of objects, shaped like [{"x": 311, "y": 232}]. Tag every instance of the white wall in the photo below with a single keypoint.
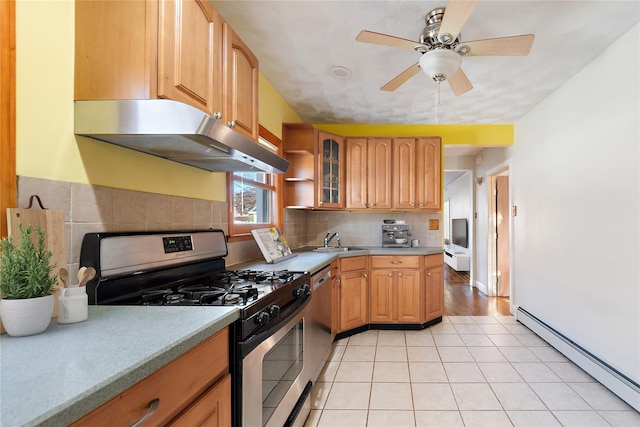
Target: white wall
[{"x": 576, "y": 182}]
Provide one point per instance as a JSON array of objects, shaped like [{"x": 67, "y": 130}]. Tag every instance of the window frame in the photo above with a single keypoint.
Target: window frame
[{"x": 237, "y": 232}]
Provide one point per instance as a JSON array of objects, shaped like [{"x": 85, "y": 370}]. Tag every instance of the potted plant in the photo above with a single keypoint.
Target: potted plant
[{"x": 26, "y": 283}]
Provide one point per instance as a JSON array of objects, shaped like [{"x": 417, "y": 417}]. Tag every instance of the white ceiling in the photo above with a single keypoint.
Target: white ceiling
[{"x": 297, "y": 43}]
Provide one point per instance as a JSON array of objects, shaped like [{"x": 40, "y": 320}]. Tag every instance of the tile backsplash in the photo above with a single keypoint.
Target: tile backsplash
[{"x": 92, "y": 208}]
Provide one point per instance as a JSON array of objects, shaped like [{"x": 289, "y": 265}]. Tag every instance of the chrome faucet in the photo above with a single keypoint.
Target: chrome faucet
[{"x": 327, "y": 239}]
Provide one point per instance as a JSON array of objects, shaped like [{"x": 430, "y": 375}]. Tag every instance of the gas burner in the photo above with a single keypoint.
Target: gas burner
[
  {"x": 231, "y": 299},
  {"x": 174, "y": 299}
]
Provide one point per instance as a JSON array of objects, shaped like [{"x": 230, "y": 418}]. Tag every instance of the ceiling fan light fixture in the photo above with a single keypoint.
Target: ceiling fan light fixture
[{"x": 439, "y": 64}]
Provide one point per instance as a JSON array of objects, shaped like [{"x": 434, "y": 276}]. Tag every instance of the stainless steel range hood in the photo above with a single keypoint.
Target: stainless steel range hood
[{"x": 174, "y": 131}]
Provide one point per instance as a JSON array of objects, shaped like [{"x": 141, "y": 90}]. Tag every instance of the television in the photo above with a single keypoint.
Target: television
[{"x": 459, "y": 232}]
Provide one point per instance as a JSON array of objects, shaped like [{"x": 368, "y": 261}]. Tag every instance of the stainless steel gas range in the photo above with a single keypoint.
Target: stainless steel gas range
[{"x": 269, "y": 345}]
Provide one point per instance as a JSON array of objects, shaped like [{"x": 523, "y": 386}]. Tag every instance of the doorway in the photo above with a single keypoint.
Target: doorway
[{"x": 500, "y": 233}]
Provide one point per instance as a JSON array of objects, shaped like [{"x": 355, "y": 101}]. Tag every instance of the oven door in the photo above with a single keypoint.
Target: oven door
[{"x": 275, "y": 375}]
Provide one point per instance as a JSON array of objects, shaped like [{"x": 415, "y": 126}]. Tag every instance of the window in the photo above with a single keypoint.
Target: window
[{"x": 254, "y": 199}]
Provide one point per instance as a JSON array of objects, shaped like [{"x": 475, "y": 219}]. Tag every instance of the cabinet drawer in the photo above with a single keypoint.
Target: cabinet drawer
[
  {"x": 395, "y": 261},
  {"x": 175, "y": 385},
  {"x": 433, "y": 260},
  {"x": 353, "y": 264}
]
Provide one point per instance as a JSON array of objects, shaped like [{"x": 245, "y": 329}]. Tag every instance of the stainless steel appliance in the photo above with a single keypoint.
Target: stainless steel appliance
[
  {"x": 270, "y": 342},
  {"x": 395, "y": 236},
  {"x": 320, "y": 328}
]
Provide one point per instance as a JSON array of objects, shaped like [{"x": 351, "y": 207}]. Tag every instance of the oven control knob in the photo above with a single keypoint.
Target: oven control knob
[
  {"x": 262, "y": 318},
  {"x": 273, "y": 310},
  {"x": 301, "y": 291}
]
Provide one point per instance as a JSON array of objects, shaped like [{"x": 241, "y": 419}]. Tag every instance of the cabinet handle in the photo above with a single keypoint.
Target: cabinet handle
[
  {"x": 217, "y": 115},
  {"x": 413, "y": 205},
  {"x": 373, "y": 205},
  {"x": 153, "y": 405},
  {"x": 390, "y": 274},
  {"x": 429, "y": 274},
  {"x": 421, "y": 205},
  {"x": 395, "y": 262},
  {"x": 364, "y": 275},
  {"x": 231, "y": 124},
  {"x": 399, "y": 274}
]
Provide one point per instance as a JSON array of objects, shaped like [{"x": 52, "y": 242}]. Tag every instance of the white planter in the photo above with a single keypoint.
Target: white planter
[{"x": 30, "y": 316}]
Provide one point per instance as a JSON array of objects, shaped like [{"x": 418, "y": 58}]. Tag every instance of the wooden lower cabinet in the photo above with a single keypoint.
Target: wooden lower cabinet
[
  {"x": 395, "y": 293},
  {"x": 212, "y": 409},
  {"x": 433, "y": 287},
  {"x": 179, "y": 389},
  {"x": 335, "y": 295},
  {"x": 353, "y": 292}
]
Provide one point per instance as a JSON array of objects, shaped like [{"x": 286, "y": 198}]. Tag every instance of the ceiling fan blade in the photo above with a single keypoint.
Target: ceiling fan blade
[
  {"x": 455, "y": 16},
  {"x": 502, "y": 46},
  {"x": 459, "y": 82},
  {"x": 401, "y": 78},
  {"x": 386, "y": 40}
]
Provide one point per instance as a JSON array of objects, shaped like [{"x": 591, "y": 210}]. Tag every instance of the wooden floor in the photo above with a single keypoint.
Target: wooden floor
[{"x": 460, "y": 299}]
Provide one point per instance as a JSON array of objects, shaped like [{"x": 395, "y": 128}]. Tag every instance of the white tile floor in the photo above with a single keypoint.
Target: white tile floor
[{"x": 465, "y": 371}]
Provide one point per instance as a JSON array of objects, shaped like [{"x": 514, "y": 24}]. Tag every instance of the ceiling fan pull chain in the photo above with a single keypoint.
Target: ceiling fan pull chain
[{"x": 435, "y": 113}]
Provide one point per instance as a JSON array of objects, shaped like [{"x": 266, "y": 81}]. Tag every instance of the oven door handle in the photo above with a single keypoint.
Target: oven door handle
[{"x": 273, "y": 327}]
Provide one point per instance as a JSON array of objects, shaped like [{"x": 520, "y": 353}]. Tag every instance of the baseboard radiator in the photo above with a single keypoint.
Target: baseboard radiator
[{"x": 624, "y": 387}]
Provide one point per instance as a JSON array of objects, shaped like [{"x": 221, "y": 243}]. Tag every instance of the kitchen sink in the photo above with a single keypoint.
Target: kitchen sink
[{"x": 338, "y": 249}]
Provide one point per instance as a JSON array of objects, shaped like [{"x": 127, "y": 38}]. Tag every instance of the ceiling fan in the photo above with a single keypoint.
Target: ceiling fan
[{"x": 441, "y": 48}]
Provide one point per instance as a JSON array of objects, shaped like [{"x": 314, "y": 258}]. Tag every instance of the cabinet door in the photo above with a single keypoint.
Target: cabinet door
[
  {"x": 212, "y": 409},
  {"x": 404, "y": 173},
  {"x": 409, "y": 298},
  {"x": 356, "y": 185},
  {"x": 240, "y": 85},
  {"x": 353, "y": 300},
  {"x": 381, "y": 307},
  {"x": 429, "y": 170},
  {"x": 335, "y": 308},
  {"x": 434, "y": 292},
  {"x": 330, "y": 179},
  {"x": 379, "y": 173},
  {"x": 190, "y": 54}
]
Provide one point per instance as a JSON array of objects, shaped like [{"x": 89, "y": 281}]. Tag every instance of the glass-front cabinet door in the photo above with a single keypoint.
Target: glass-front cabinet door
[{"x": 330, "y": 182}]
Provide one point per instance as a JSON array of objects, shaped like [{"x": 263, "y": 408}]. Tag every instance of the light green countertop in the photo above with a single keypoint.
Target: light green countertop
[
  {"x": 308, "y": 260},
  {"x": 58, "y": 376}
]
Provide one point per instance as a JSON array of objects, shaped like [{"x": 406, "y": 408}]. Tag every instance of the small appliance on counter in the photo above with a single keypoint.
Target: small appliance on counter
[{"x": 395, "y": 234}]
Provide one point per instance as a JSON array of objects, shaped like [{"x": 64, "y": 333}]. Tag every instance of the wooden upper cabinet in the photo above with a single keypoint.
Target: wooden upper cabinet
[
  {"x": 240, "y": 85},
  {"x": 115, "y": 48},
  {"x": 316, "y": 177},
  {"x": 429, "y": 173},
  {"x": 417, "y": 173},
  {"x": 368, "y": 173},
  {"x": 190, "y": 54},
  {"x": 330, "y": 171},
  {"x": 174, "y": 49},
  {"x": 404, "y": 182}
]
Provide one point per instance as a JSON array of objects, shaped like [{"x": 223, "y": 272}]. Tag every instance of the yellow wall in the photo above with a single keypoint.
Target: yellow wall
[
  {"x": 273, "y": 110},
  {"x": 483, "y": 135}
]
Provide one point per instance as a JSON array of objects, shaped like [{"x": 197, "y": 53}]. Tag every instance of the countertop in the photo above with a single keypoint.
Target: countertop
[
  {"x": 56, "y": 377},
  {"x": 308, "y": 260},
  {"x": 67, "y": 371}
]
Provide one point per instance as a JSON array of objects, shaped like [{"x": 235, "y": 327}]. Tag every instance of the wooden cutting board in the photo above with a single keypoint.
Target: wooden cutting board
[{"x": 52, "y": 222}]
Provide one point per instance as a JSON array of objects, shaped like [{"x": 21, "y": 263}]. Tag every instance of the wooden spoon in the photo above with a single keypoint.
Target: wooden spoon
[
  {"x": 89, "y": 275},
  {"x": 81, "y": 273},
  {"x": 64, "y": 276}
]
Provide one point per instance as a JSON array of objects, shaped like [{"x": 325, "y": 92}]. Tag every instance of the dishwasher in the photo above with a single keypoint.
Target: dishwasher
[{"x": 320, "y": 328}]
